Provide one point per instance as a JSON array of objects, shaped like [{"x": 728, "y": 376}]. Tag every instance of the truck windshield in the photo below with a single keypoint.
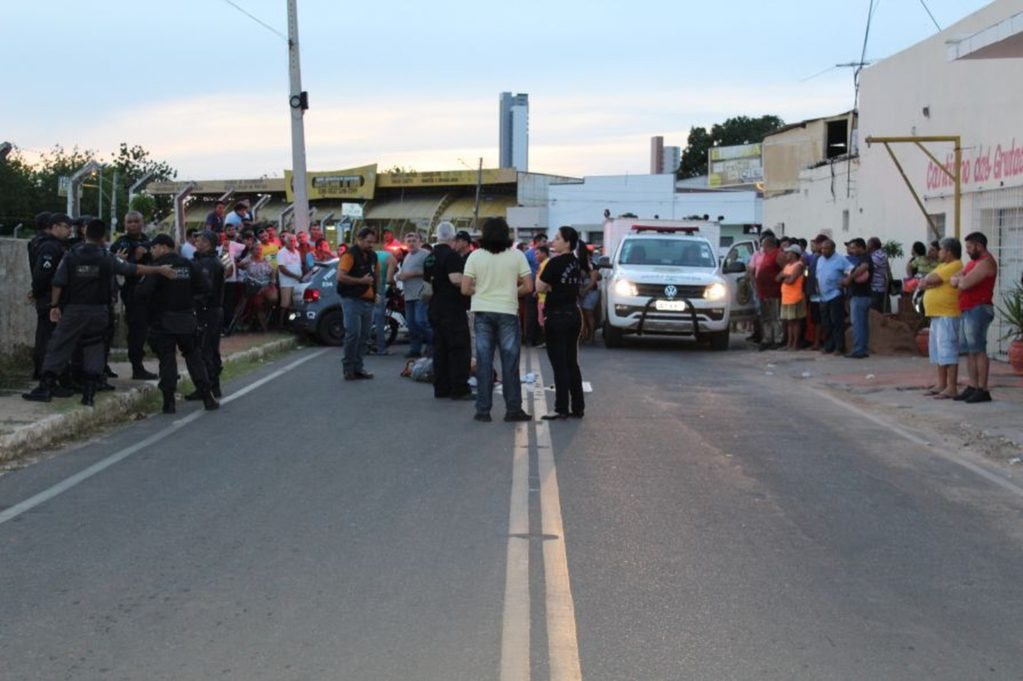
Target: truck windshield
[{"x": 670, "y": 252}]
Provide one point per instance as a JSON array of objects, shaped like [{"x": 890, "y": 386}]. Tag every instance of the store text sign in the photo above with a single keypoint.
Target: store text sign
[{"x": 997, "y": 163}]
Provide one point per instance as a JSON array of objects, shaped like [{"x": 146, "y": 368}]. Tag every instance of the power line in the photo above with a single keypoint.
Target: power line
[
  {"x": 258, "y": 20},
  {"x": 928, "y": 10}
]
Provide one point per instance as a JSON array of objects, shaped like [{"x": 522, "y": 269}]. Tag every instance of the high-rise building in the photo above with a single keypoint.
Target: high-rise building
[
  {"x": 663, "y": 160},
  {"x": 514, "y": 143}
]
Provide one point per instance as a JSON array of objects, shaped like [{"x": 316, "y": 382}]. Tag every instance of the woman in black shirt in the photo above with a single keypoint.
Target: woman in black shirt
[{"x": 560, "y": 280}]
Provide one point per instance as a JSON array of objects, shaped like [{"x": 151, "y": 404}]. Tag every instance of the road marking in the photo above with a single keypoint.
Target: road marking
[
  {"x": 515, "y": 660},
  {"x": 562, "y": 636},
  {"x": 916, "y": 439},
  {"x": 100, "y": 466}
]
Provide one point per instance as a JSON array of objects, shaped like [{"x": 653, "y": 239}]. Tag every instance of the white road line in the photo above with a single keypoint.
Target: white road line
[
  {"x": 515, "y": 660},
  {"x": 98, "y": 467},
  {"x": 902, "y": 432},
  {"x": 562, "y": 636}
]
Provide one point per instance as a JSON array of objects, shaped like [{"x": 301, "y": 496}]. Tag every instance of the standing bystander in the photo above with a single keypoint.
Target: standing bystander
[
  {"x": 416, "y": 315},
  {"x": 858, "y": 282},
  {"x": 976, "y": 285},
  {"x": 356, "y": 284},
  {"x": 941, "y": 304}
]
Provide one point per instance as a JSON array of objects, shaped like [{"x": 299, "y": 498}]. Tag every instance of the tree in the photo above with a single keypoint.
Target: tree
[{"x": 737, "y": 130}]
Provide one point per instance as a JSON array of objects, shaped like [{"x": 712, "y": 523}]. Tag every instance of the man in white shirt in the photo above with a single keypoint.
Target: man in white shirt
[
  {"x": 496, "y": 276},
  {"x": 289, "y": 272}
]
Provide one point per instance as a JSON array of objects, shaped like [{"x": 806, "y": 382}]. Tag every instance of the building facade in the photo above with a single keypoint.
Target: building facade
[{"x": 960, "y": 82}]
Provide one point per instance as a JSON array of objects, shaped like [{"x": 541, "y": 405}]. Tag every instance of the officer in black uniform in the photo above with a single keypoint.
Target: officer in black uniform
[
  {"x": 79, "y": 301},
  {"x": 133, "y": 246},
  {"x": 42, "y": 229},
  {"x": 172, "y": 320},
  {"x": 211, "y": 310},
  {"x": 45, "y": 253}
]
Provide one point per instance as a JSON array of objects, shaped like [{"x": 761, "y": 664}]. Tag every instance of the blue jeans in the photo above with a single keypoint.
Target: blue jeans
[
  {"x": 419, "y": 332},
  {"x": 859, "y": 311},
  {"x": 358, "y": 324},
  {"x": 501, "y": 332},
  {"x": 380, "y": 323}
]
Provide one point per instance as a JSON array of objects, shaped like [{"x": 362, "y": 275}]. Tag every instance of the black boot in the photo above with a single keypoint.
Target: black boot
[
  {"x": 42, "y": 392},
  {"x": 168, "y": 402},
  {"x": 140, "y": 373},
  {"x": 108, "y": 372},
  {"x": 215, "y": 389},
  {"x": 89, "y": 393},
  {"x": 193, "y": 396},
  {"x": 209, "y": 402}
]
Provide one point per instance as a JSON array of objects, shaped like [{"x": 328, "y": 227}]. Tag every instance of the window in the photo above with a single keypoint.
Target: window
[
  {"x": 667, "y": 252},
  {"x": 935, "y": 227},
  {"x": 837, "y": 138}
]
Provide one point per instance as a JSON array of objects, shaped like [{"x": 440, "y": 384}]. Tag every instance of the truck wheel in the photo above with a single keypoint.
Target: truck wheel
[
  {"x": 719, "y": 340},
  {"x": 331, "y": 329},
  {"x": 612, "y": 336}
]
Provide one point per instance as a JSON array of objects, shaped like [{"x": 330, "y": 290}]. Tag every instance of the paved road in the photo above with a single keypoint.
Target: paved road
[{"x": 705, "y": 521}]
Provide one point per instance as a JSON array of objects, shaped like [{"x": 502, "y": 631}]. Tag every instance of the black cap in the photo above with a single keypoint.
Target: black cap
[
  {"x": 58, "y": 218},
  {"x": 162, "y": 240},
  {"x": 43, "y": 219},
  {"x": 464, "y": 236}
]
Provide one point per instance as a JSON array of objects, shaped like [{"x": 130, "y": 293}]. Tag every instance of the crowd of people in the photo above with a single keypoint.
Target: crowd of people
[{"x": 805, "y": 292}]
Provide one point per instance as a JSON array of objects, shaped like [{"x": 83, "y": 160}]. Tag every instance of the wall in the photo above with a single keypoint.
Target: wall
[{"x": 17, "y": 315}]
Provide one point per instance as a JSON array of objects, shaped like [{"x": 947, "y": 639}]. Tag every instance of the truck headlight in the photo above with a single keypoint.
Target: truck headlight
[
  {"x": 716, "y": 291},
  {"x": 624, "y": 287}
]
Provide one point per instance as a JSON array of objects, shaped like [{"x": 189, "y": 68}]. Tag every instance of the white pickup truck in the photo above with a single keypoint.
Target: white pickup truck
[{"x": 664, "y": 278}]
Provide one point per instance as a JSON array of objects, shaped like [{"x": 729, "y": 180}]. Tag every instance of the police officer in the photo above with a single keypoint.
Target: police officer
[
  {"x": 211, "y": 310},
  {"x": 172, "y": 320},
  {"x": 133, "y": 246},
  {"x": 79, "y": 300},
  {"x": 45, "y": 254}
]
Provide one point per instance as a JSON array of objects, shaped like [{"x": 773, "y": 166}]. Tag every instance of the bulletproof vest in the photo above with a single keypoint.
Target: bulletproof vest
[
  {"x": 178, "y": 294},
  {"x": 90, "y": 271},
  {"x": 214, "y": 271},
  {"x": 363, "y": 263}
]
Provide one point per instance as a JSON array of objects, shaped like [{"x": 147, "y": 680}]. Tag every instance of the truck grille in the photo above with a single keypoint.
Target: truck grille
[{"x": 657, "y": 291}]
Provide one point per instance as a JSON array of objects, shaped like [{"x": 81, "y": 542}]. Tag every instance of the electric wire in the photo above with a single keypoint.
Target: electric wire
[
  {"x": 257, "y": 20},
  {"x": 928, "y": 10}
]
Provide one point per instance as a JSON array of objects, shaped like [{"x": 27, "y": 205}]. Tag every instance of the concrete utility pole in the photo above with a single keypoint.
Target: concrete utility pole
[{"x": 299, "y": 102}]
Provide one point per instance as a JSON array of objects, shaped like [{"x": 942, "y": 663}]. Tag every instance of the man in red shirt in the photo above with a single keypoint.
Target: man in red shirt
[
  {"x": 976, "y": 284},
  {"x": 766, "y": 273}
]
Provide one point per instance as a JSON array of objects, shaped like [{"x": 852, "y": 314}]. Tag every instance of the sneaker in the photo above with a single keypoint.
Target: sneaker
[
  {"x": 516, "y": 416},
  {"x": 482, "y": 417},
  {"x": 362, "y": 374},
  {"x": 965, "y": 394},
  {"x": 978, "y": 396}
]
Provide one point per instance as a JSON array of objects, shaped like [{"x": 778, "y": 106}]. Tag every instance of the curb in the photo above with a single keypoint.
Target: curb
[{"x": 79, "y": 419}]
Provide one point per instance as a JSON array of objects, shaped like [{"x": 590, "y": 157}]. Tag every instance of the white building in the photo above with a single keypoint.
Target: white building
[
  {"x": 514, "y": 131},
  {"x": 962, "y": 81},
  {"x": 582, "y": 204}
]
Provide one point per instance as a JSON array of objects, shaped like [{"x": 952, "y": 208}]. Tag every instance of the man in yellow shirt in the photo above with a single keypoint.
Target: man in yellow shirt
[{"x": 941, "y": 305}]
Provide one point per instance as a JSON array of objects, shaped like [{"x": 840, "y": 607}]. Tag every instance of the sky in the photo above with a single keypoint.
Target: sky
[{"x": 205, "y": 88}]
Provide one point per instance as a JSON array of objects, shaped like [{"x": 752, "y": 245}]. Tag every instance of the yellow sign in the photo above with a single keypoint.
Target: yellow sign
[
  {"x": 447, "y": 178},
  {"x": 739, "y": 164},
  {"x": 353, "y": 183},
  {"x": 268, "y": 185}
]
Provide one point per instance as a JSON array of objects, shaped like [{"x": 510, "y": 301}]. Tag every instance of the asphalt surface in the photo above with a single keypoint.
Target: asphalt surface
[{"x": 719, "y": 523}]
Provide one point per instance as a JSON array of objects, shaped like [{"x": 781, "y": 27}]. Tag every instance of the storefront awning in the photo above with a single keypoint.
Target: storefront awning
[
  {"x": 490, "y": 207},
  {"x": 403, "y": 209}
]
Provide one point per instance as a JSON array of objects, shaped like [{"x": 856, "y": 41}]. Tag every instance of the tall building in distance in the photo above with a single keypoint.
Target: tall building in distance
[
  {"x": 663, "y": 160},
  {"x": 514, "y": 143}
]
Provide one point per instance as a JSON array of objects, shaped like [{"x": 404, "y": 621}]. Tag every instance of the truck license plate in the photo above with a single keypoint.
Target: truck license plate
[{"x": 670, "y": 305}]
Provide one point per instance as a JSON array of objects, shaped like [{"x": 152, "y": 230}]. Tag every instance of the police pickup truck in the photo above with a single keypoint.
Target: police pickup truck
[{"x": 663, "y": 277}]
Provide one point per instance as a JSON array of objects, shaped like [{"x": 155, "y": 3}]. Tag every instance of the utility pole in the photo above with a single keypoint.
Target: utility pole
[
  {"x": 476, "y": 207},
  {"x": 298, "y": 102}
]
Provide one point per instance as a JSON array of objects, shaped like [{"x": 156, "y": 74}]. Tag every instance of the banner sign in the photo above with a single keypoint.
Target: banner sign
[
  {"x": 740, "y": 164},
  {"x": 352, "y": 183}
]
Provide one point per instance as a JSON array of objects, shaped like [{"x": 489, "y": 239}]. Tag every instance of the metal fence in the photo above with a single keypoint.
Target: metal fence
[{"x": 999, "y": 215}]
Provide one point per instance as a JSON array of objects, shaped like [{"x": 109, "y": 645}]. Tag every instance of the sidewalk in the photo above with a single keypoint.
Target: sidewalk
[
  {"x": 892, "y": 387},
  {"x": 33, "y": 426}
]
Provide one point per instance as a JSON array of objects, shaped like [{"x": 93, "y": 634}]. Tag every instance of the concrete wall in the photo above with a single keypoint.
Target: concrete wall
[{"x": 17, "y": 315}]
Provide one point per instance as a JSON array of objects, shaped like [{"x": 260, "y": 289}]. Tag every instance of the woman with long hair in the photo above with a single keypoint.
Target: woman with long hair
[
  {"x": 589, "y": 296},
  {"x": 560, "y": 280},
  {"x": 259, "y": 280}
]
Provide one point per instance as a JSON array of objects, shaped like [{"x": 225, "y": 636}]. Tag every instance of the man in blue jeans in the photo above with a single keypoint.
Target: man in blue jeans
[
  {"x": 857, "y": 283},
  {"x": 830, "y": 271},
  {"x": 416, "y": 313},
  {"x": 496, "y": 275},
  {"x": 356, "y": 284}
]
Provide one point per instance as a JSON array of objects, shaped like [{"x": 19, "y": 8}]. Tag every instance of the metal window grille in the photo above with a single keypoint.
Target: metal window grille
[{"x": 999, "y": 215}]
